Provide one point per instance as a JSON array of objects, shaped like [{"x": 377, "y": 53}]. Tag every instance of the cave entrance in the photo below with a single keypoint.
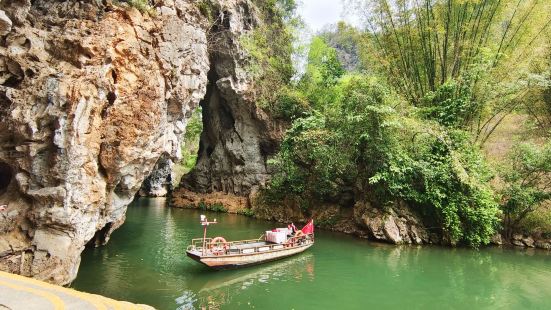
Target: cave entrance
[
  {"x": 6, "y": 175},
  {"x": 190, "y": 146},
  {"x": 166, "y": 173},
  {"x": 100, "y": 237}
]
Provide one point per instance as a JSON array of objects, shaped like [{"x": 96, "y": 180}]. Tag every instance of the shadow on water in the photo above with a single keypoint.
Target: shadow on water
[
  {"x": 217, "y": 289},
  {"x": 145, "y": 262}
]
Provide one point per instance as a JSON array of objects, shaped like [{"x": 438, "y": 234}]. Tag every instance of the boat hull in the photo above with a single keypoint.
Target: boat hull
[{"x": 244, "y": 260}]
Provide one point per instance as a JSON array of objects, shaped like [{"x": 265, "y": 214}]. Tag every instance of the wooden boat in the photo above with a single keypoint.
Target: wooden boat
[{"x": 217, "y": 253}]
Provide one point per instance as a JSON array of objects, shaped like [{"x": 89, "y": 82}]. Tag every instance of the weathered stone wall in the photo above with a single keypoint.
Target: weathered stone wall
[
  {"x": 531, "y": 241},
  {"x": 92, "y": 94},
  {"x": 159, "y": 182},
  {"x": 395, "y": 224},
  {"x": 238, "y": 137}
]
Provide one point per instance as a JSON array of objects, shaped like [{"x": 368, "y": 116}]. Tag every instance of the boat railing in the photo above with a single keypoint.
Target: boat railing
[
  {"x": 197, "y": 244},
  {"x": 241, "y": 247}
]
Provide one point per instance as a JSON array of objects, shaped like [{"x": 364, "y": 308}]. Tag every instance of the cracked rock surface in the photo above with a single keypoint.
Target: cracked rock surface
[
  {"x": 238, "y": 136},
  {"x": 92, "y": 94}
]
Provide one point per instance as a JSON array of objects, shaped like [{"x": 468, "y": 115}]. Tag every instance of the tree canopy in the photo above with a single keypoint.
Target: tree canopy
[{"x": 434, "y": 80}]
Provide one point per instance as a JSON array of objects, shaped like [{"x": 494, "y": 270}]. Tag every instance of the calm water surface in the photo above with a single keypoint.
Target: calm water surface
[{"x": 145, "y": 262}]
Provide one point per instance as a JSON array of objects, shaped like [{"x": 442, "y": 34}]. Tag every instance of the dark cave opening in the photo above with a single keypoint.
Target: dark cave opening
[
  {"x": 201, "y": 140},
  {"x": 111, "y": 97},
  {"x": 6, "y": 175},
  {"x": 100, "y": 237}
]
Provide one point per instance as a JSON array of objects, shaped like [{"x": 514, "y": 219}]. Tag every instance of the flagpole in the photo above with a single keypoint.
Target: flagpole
[{"x": 205, "y": 222}]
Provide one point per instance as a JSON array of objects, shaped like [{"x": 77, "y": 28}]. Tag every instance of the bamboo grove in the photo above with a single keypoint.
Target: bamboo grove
[{"x": 424, "y": 44}]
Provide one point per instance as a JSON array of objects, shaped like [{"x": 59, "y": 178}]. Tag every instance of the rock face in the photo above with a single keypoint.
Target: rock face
[
  {"x": 159, "y": 182},
  {"x": 235, "y": 144},
  {"x": 5, "y": 23},
  {"x": 536, "y": 241},
  {"x": 395, "y": 225},
  {"x": 238, "y": 137},
  {"x": 92, "y": 94},
  {"x": 217, "y": 201}
]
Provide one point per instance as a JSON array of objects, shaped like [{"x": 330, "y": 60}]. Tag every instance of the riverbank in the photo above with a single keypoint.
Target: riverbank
[
  {"x": 18, "y": 292},
  {"x": 145, "y": 262},
  {"x": 395, "y": 225}
]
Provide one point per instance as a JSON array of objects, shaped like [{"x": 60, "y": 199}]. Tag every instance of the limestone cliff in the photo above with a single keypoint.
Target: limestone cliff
[
  {"x": 238, "y": 137},
  {"x": 159, "y": 182},
  {"x": 92, "y": 94}
]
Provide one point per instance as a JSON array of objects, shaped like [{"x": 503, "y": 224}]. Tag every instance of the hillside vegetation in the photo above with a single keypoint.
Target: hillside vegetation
[{"x": 403, "y": 109}]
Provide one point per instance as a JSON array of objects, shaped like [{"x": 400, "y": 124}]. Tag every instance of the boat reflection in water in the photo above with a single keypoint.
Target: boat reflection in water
[{"x": 214, "y": 290}]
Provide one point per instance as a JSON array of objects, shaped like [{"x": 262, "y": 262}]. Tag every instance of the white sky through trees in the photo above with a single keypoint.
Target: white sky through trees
[{"x": 318, "y": 13}]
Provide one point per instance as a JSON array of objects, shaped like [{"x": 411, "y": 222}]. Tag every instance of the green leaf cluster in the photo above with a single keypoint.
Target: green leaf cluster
[
  {"x": 450, "y": 105},
  {"x": 315, "y": 89},
  {"x": 270, "y": 49},
  {"x": 191, "y": 140},
  {"x": 446, "y": 179},
  {"x": 527, "y": 177},
  {"x": 360, "y": 137}
]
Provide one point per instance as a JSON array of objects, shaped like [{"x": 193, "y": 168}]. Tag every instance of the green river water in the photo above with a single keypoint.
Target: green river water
[{"x": 145, "y": 262}]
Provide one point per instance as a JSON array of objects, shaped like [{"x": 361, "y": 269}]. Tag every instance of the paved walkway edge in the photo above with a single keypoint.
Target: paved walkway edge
[{"x": 18, "y": 292}]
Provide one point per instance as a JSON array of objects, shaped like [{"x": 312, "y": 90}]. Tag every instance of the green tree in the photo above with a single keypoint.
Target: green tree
[
  {"x": 323, "y": 71},
  {"x": 349, "y": 43},
  {"x": 425, "y": 45},
  {"x": 190, "y": 146},
  {"x": 361, "y": 141},
  {"x": 538, "y": 101},
  {"x": 270, "y": 46},
  {"x": 527, "y": 179}
]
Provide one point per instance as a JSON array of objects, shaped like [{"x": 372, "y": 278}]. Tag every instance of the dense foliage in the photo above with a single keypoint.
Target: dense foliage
[
  {"x": 538, "y": 100},
  {"x": 484, "y": 47},
  {"x": 362, "y": 141},
  {"x": 270, "y": 47},
  {"x": 527, "y": 178},
  {"x": 349, "y": 44},
  {"x": 408, "y": 123},
  {"x": 190, "y": 146}
]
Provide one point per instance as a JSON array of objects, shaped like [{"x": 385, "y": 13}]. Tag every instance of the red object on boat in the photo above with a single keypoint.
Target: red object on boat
[
  {"x": 217, "y": 253},
  {"x": 308, "y": 228},
  {"x": 291, "y": 227}
]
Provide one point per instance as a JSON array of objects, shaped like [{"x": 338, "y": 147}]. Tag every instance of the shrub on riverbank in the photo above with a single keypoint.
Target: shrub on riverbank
[
  {"x": 527, "y": 188},
  {"x": 368, "y": 140}
]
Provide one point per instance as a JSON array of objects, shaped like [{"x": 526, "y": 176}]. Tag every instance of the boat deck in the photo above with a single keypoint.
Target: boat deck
[
  {"x": 276, "y": 244},
  {"x": 248, "y": 247}
]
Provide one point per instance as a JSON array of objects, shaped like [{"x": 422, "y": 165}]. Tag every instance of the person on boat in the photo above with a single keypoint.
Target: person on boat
[{"x": 292, "y": 228}]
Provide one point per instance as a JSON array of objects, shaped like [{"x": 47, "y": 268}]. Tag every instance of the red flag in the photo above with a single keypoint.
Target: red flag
[{"x": 308, "y": 228}]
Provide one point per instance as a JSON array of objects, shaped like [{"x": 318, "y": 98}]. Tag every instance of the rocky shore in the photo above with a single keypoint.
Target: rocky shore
[{"x": 395, "y": 225}]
